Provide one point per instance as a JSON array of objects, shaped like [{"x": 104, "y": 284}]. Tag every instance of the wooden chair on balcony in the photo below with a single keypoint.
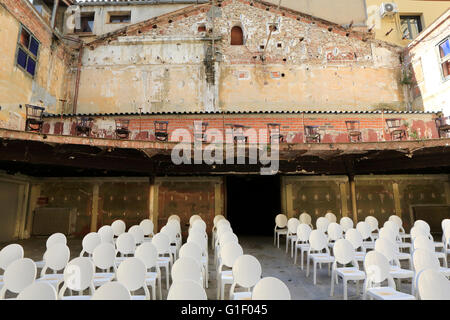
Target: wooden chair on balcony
[
  {"x": 354, "y": 132},
  {"x": 443, "y": 126},
  {"x": 275, "y": 132},
  {"x": 312, "y": 134},
  {"x": 161, "y": 133},
  {"x": 34, "y": 119},
  {"x": 122, "y": 131},
  {"x": 395, "y": 129},
  {"x": 84, "y": 126},
  {"x": 200, "y": 131}
]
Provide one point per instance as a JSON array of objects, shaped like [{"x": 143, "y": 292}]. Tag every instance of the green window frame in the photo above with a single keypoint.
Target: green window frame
[{"x": 27, "y": 53}]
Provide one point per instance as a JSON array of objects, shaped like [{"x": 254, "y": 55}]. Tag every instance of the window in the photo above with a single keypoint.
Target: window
[
  {"x": 237, "y": 36},
  {"x": 444, "y": 58},
  {"x": 411, "y": 26},
  {"x": 27, "y": 51},
  {"x": 86, "y": 22},
  {"x": 120, "y": 17}
]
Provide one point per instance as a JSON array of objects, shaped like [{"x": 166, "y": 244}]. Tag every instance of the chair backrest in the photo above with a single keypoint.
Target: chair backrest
[
  {"x": 131, "y": 273},
  {"x": 147, "y": 227},
  {"x": 38, "y": 291},
  {"x": 54, "y": 239},
  {"x": 222, "y": 229},
  {"x": 322, "y": 224},
  {"x": 344, "y": 252},
  {"x": 346, "y": 223},
  {"x": 229, "y": 252},
  {"x": 106, "y": 234},
  {"x": 138, "y": 233},
  {"x": 186, "y": 268},
  {"x": 186, "y": 290},
  {"x": 90, "y": 242},
  {"x": 199, "y": 225},
  {"x": 318, "y": 240},
  {"x": 303, "y": 232},
  {"x": 417, "y": 232},
  {"x": 104, "y": 256},
  {"x": 118, "y": 227},
  {"x": 433, "y": 285},
  {"x": 112, "y": 291},
  {"x": 292, "y": 225},
  {"x": 335, "y": 231},
  {"x": 126, "y": 244},
  {"x": 246, "y": 271},
  {"x": 377, "y": 269},
  {"x": 271, "y": 288},
  {"x": 373, "y": 223},
  {"x": 170, "y": 231},
  {"x": 364, "y": 229},
  {"x": 281, "y": 221},
  {"x": 388, "y": 233},
  {"x": 444, "y": 224},
  {"x": 78, "y": 275},
  {"x": 386, "y": 247},
  {"x": 193, "y": 218},
  {"x": 191, "y": 250},
  {"x": 56, "y": 257},
  {"x": 18, "y": 275},
  {"x": 175, "y": 224},
  {"x": 305, "y": 218},
  {"x": 9, "y": 254},
  {"x": 174, "y": 217},
  {"x": 396, "y": 219},
  {"x": 330, "y": 216},
  {"x": 148, "y": 253},
  {"x": 223, "y": 223},
  {"x": 425, "y": 259},
  {"x": 228, "y": 237},
  {"x": 217, "y": 219},
  {"x": 423, "y": 225},
  {"x": 423, "y": 242},
  {"x": 392, "y": 225},
  {"x": 355, "y": 238},
  {"x": 162, "y": 243}
]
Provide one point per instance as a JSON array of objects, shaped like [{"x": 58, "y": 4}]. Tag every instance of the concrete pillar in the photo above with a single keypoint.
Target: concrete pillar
[
  {"x": 153, "y": 203},
  {"x": 283, "y": 196},
  {"x": 19, "y": 231},
  {"x": 397, "y": 205},
  {"x": 344, "y": 205},
  {"x": 35, "y": 192},
  {"x": 218, "y": 199},
  {"x": 94, "y": 212},
  {"x": 289, "y": 201},
  {"x": 353, "y": 196}
]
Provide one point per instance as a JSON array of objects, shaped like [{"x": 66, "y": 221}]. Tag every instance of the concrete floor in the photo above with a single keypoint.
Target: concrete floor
[{"x": 275, "y": 262}]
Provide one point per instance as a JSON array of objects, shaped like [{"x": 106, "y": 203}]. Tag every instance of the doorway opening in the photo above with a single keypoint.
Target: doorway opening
[{"x": 252, "y": 204}]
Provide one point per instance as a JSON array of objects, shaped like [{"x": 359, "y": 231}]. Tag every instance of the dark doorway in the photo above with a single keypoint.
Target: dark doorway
[{"x": 252, "y": 204}]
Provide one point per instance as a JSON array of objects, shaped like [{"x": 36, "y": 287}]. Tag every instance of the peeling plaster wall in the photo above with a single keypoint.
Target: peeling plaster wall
[
  {"x": 306, "y": 66},
  {"x": 50, "y": 83}
]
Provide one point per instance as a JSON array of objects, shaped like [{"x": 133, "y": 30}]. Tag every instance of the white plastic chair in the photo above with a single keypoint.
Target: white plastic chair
[
  {"x": 306, "y": 218},
  {"x": 426, "y": 227},
  {"x": 246, "y": 273},
  {"x": 186, "y": 290},
  {"x": 193, "y": 218},
  {"x": 399, "y": 222},
  {"x": 346, "y": 223},
  {"x": 356, "y": 240},
  {"x": 78, "y": 276},
  {"x": 423, "y": 242},
  {"x": 56, "y": 259},
  {"x": 398, "y": 239},
  {"x": 171, "y": 232},
  {"x": 125, "y": 246},
  {"x": 131, "y": 273},
  {"x": 112, "y": 291},
  {"x": 118, "y": 227},
  {"x": 148, "y": 253},
  {"x": 175, "y": 224},
  {"x": 162, "y": 243},
  {"x": 388, "y": 233},
  {"x": 291, "y": 235},
  {"x": 104, "y": 258},
  {"x": 147, "y": 226},
  {"x": 138, "y": 233},
  {"x": 322, "y": 224},
  {"x": 229, "y": 252},
  {"x": 280, "y": 229},
  {"x": 18, "y": 275},
  {"x": 187, "y": 268},
  {"x": 52, "y": 240},
  {"x": 335, "y": 233},
  {"x": 425, "y": 259},
  {"x": 386, "y": 247},
  {"x": 364, "y": 229},
  {"x": 377, "y": 269},
  {"x": 89, "y": 243},
  {"x": 8, "y": 254},
  {"x": 432, "y": 285},
  {"x": 344, "y": 254},
  {"x": 201, "y": 241},
  {"x": 193, "y": 250},
  {"x": 302, "y": 243},
  {"x": 174, "y": 217},
  {"x": 271, "y": 288},
  {"x": 318, "y": 242},
  {"x": 444, "y": 225},
  {"x": 331, "y": 217},
  {"x": 214, "y": 228},
  {"x": 106, "y": 234},
  {"x": 373, "y": 224},
  {"x": 38, "y": 291}
]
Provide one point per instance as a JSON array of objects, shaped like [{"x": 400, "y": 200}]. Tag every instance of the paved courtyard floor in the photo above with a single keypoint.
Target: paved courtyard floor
[{"x": 274, "y": 261}]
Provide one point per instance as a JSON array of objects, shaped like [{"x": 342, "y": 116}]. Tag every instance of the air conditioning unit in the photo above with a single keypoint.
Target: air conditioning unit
[{"x": 388, "y": 9}]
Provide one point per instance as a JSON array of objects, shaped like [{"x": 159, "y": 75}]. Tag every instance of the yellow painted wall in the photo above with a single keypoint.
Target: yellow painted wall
[{"x": 429, "y": 11}]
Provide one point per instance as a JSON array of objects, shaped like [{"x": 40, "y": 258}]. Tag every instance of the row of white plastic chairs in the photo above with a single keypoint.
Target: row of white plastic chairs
[
  {"x": 241, "y": 270},
  {"x": 302, "y": 237}
]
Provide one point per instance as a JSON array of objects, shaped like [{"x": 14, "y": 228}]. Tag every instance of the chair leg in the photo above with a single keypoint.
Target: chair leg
[
  {"x": 315, "y": 272},
  {"x": 287, "y": 244},
  {"x": 345, "y": 289},
  {"x": 167, "y": 277},
  {"x": 295, "y": 255},
  {"x": 307, "y": 266},
  {"x": 218, "y": 288},
  {"x": 160, "y": 288},
  {"x": 332, "y": 286},
  {"x": 301, "y": 257}
]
